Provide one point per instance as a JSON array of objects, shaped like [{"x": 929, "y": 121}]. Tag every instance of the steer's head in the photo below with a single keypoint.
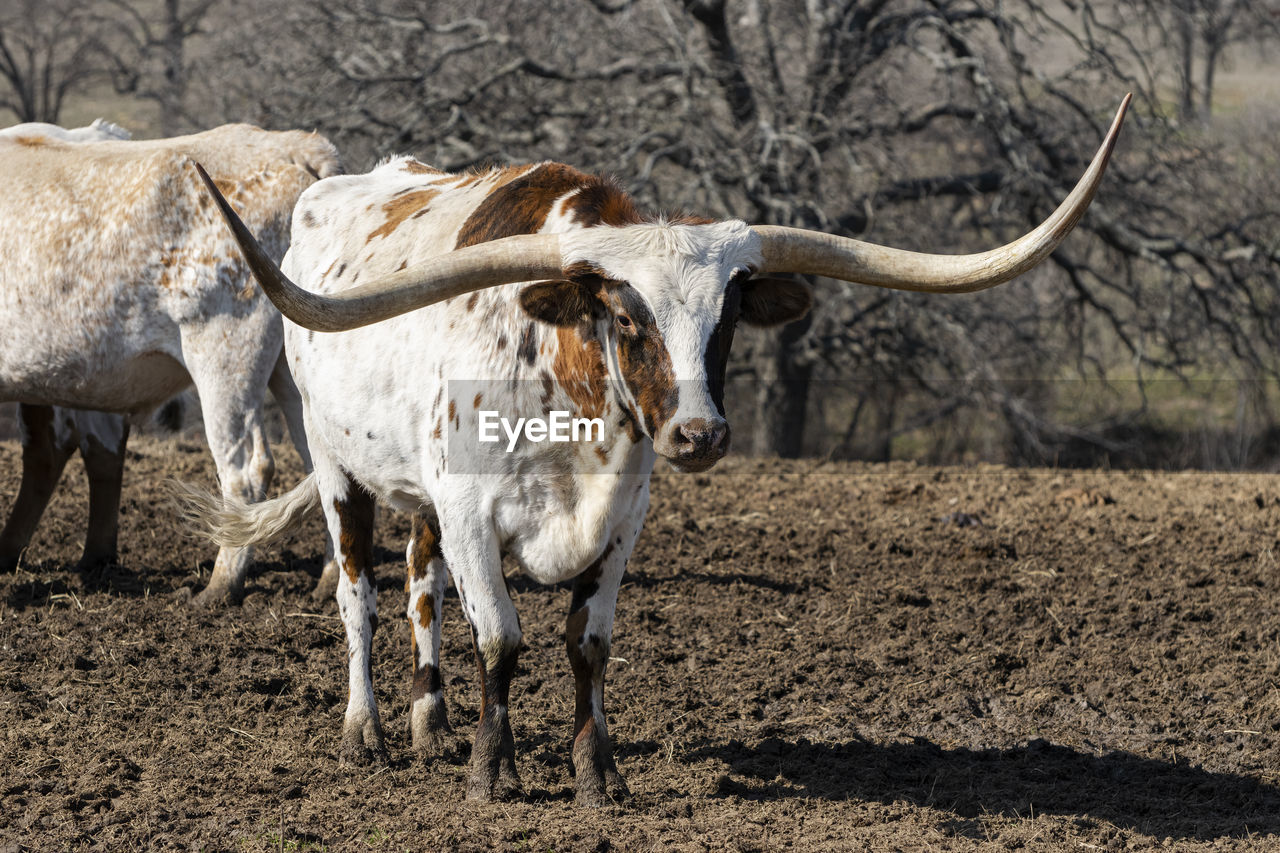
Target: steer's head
[{"x": 662, "y": 300}]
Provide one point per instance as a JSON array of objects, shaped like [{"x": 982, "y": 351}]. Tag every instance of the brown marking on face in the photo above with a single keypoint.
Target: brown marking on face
[
  {"x": 604, "y": 456},
  {"x": 403, "y": 265},
  {"x": 399, "y": 209},
  {"x": 437, "y": 432},
  {"x": 309, "y": 219},
  {"x": 355, "y": 532},
  {"x": 502, "y": 342},
  {"x": 643, "y": 359},
  {"x": 472, "y": 300},
  {"x": 453, "y": 410},
  {"x": 579, "y": 369},
  {"x": 528, "y": 349},
  {"x": 716, "y": 356},
  {"x": 475, "y": 404},
  {"x": 31, "y": 141}
]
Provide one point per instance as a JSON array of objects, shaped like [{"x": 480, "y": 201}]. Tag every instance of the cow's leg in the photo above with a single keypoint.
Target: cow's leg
[
  {"x": 471, "y": 553},
  {"x": 587, "y": 636},
  {"x": 285, "y": 390},
  {"x": 102, "y": 444},
  {"x": 348, "y": 509},
  {"x": 428, "y": 720},
  {"x": 44, "y": 455},
  {"x": 230, "y": 367},
  {"x": 287, "y": 396}
]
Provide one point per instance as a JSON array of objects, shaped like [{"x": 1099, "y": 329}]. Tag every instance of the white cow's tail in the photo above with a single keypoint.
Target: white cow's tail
[{"x": 232, "y": 523}]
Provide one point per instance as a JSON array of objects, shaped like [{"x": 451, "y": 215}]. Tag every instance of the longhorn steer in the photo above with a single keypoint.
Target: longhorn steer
[
  {"x": 630, "y": 320},
  {"x": 50, "y": 435},
  {"x": 121, "y": 287}
]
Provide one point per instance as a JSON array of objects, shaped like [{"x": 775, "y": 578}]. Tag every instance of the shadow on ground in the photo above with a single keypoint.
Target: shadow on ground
[{"x": 1156, "y": 798}]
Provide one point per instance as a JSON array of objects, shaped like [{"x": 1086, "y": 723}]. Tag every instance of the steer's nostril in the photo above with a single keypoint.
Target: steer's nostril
[
  {"x": 700, "y": 436},
  {"x": 718, "y": 432}
]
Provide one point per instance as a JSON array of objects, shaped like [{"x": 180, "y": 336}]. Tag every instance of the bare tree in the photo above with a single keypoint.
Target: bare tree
[
  {"x": 149, "y": 52},
  {"x": 48, "y": 49},
  {"x": 941, "y": 125},
  {"x": 1196, "y": 35}
]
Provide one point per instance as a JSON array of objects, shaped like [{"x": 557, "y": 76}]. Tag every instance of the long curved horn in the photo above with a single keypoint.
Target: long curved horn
[
  {"x": 525, "y": 257},
  {"x": 814, "y": 253}
]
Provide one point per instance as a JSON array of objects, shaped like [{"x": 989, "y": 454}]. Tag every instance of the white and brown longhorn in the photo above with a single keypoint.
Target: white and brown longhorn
[
  {"x": 120, "y": 287},
  {"x": 551, "y": 289}
]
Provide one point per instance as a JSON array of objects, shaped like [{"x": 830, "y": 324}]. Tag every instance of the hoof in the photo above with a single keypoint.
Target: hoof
[
  {"x": 363, "y": 745},
  {"x": 611, "y": 791},
  {"x": 433, "y": 738},
  {"x": 438, "y": 746},
  {"x": 504, "y": 789},
  {"x": 96, "y": 562},
  {"x": 214, "y": 597},
  {"x": 327, "y": 587},
  {"x": 357, "y": 755}
]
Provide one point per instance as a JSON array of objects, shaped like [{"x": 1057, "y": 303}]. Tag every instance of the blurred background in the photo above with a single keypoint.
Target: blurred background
[{"x": 1149, "y": 339}]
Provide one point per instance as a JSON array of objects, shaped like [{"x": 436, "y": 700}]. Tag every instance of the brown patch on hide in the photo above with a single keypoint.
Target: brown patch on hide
[
  {"x": 401, "y": 208},
  {"x": 520, "y": 204},
  {"x": 355, "y": 532},
  {"x": 426, "y": 546},
  {"x": 579, "y": 369},
  {"x": 417, "y": 167}
]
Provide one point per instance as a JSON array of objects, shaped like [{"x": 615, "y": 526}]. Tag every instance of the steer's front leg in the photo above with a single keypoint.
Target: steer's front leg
[
  {"x": 587, "y": 637},
  {"x": 471, "y": 552}
]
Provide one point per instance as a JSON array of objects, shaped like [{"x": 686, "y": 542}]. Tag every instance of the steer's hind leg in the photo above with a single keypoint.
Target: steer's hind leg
[
  {"x": 102, "y": 447},
  {"x": 285, "y": 390},
  {"x": 428, "y": 720},
  {"x": 587, "y": 635},
  {"x": 44, "y": 455},
  {"x": 230, "y": 361},
  {"x": 348, "y": 509},
  {"x": 471, "y": 552}
]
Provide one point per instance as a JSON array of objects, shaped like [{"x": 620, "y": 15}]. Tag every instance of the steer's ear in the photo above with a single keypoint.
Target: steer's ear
[
  {"x": 774, "y": 301},
  {"x": 560, "y": 303}
]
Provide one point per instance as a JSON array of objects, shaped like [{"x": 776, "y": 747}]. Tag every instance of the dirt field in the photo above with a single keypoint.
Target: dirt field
[{"x": 813, "y": 657}]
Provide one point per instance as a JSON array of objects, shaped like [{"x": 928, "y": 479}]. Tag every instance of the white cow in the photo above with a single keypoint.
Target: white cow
[
  {"x": 51, "y": 434},
  {"x": 121, "y": 287},
  {"x": 629, "y": 320}
]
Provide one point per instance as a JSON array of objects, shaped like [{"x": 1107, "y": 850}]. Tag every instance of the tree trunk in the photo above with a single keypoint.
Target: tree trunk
[
  {"x": 781, "y": 397},
  {"x": 175, "y": 81},
  {"x": 1186, "y": 81}
]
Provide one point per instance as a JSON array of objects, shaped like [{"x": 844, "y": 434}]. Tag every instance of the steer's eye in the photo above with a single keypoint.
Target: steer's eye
[{"x": 624, "y": 322}]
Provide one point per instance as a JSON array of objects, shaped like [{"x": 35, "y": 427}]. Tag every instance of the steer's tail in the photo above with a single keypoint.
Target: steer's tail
[{"x": 232, "y": 523}]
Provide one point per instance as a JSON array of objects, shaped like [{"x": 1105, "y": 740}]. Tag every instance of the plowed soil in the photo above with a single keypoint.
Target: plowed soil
[{"x": 807, "y": 656}]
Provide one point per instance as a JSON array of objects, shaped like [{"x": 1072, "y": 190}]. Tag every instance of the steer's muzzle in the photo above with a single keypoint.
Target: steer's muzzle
[{"x": 698, "y": 443}]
